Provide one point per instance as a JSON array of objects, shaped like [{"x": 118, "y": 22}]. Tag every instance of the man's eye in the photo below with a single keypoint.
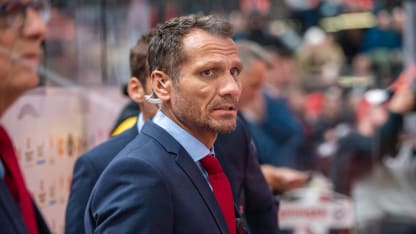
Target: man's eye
[
  {"x": 235, "y": 72},
  {"x": 208, "y": 73}
]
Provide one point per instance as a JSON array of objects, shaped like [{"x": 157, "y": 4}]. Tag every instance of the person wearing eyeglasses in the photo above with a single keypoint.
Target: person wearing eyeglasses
[{"x": 22, "y": 31}]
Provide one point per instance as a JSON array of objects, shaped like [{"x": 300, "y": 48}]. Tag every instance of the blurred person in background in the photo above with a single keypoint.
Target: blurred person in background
[
  {"x": 353, "y": 157},
  {"x": 383, "y": 44},
  {"x": 22, "y": 31},
  {"x": 335, "y": 118},
  {"x": 306, "y": 157},
  {"x": 269, "y": 112},
  {"x": 362, "y": 68},
  {"x": 255, "y": 60},
  {"x": 305, "y": 12},
  {"x": 90, "y": 165},
  {"x": 256, "y": 30},
  {"x": 400, "y": 105},
  {"x": 319, "y": 59},
  {"x": 384, "y": 35},
  {"x": 334, "y": 111},
  {"x": 280, "y": 121},
  {"x": 385, "y": 199},
  {"x": 375, "y": 162}
]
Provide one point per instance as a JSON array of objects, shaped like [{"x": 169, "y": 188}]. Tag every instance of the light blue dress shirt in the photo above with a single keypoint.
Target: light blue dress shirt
[
  {"x": 140, "y": 122},
  {"x": 196, "y": 149}
]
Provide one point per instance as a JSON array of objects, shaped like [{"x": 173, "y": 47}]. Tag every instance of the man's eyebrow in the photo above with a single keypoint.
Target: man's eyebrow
[
  {"x": 209, "y": 64},
  {"x": 238, "y": 64}
]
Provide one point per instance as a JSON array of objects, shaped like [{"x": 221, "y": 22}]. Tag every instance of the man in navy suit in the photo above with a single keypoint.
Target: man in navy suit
[
  {"x": 89, "y": 166},
  {"x": 251, "y": 193},
  {"x": 156, "y": 184},
  {"x": 22, "y": 31}
]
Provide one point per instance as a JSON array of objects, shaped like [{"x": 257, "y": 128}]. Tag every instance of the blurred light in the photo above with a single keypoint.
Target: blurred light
[
  {"x": 347, "y": 21},
  {"x": 314, "y": 36},
  {"x": 376, "y": 96},
  {"x": 354, "y": 81}
]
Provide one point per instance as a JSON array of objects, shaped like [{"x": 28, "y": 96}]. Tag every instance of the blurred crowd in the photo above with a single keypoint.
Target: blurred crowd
[{"x": 337, "y": 101}]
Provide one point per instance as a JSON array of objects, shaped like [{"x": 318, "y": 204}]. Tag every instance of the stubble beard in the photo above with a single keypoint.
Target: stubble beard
[{"x": 189, "y": 114}]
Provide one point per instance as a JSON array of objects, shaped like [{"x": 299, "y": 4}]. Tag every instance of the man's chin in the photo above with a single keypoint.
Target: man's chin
[
  {"x": 227, "y": 130},
  {"x": 225, "y": 127}
]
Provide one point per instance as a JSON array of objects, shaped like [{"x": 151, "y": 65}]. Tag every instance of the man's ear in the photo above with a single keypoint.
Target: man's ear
[
  {"x": 161, "y": 84},
  {"x": 135, "y": 90}
]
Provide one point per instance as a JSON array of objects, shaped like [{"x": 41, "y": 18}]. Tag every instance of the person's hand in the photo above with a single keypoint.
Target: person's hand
[
  {"x": 283, "y": 179},
  {"x": 403, "y": 100}
]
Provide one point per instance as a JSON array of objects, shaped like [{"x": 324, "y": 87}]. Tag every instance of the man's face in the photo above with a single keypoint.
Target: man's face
[
  {"x": 280, "y": 75},
  {"x": 20, "y": 54},
  {"x": 208, "y": 89},
  {"x": 252, "y": 80}
]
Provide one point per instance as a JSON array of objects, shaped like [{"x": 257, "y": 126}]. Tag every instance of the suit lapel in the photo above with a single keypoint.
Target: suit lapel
[
  {"x": 11, "y": 208},
  {"x": 186, "y": 163},
  {"x": 189, "y": 167}
]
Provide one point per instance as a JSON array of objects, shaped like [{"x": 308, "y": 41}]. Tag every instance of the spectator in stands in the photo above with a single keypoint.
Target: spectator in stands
[
  {"x": 256, "y": 60},
  {"x": 383, "y": 44},
  {"x": 378, "y": 166},
  {"x": 353, "y": 157}
]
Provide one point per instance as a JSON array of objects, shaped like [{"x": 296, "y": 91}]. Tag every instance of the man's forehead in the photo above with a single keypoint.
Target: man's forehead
[
  {"x": 201, "y": 37},
  {"x": 211, "y": 45}
]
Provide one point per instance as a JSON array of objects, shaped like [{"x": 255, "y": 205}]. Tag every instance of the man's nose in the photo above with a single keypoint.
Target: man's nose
[
  {"x": 231, "y": 85},
  {"x": 34, "y": 27}
]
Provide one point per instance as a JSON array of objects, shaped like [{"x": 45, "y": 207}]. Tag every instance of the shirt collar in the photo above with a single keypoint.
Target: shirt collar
[
  {"x": 140, "y": 122},
  {"x": 193, "y": 146}
]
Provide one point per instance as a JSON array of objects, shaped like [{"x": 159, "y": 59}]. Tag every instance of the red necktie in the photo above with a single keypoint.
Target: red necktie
[
  {"x": 15, "y": 182},
  {"x": 221, "y": 188}
]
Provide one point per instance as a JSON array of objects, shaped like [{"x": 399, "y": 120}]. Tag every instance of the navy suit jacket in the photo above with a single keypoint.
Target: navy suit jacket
[
  {"x": 251, "y": 193},
  {"x": 154, "y": 186},
  {"x": 11, "y": 220},
  {"x": 87, "y": 169}
]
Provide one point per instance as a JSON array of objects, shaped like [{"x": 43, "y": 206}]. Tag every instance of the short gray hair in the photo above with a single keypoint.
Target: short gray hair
[
  {"x": 250, "y": 51},
  {"x": 166, "y": 47}
]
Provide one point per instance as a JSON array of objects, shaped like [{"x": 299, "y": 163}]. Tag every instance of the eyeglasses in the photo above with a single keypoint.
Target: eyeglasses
[{"x": 13, "y": 13}]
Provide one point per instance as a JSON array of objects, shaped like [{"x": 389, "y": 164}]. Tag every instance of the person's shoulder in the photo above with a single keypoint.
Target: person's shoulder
[
  {"x": 148, "y": 140},
  {"x": 130, "y": 110},
  {"x": 142, "y": 151},
  {"x": 153, "y": 145},
  {"x": 158, "y": 134}
]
